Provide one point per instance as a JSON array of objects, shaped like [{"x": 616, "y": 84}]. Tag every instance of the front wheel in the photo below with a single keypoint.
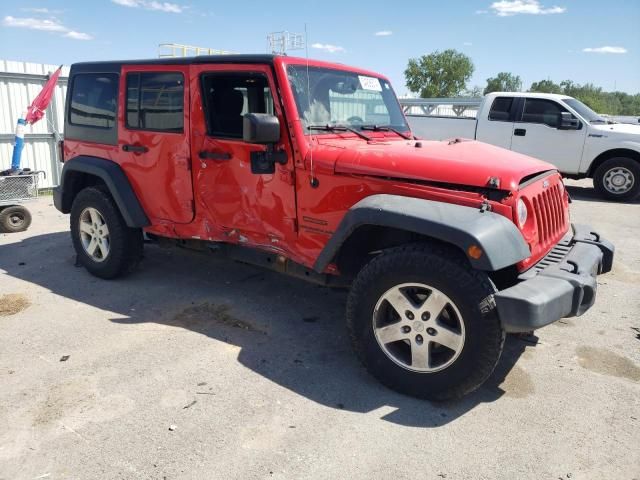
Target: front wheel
[
  {"x": 423, "y": 322},
  {"x": 618, "y": 179},
  {"x": 105, "y": 246}
]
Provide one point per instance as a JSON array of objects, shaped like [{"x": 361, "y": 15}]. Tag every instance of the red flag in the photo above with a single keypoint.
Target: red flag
[{"x": 36, "y": 110}]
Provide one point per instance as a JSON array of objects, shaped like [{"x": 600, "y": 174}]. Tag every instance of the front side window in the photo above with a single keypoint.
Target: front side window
[
  {"x": 229, "y": 96},
  {"x": 333, "y": 97},
  {"x": 155, "y": 101},
  {"x": 94, "y": 100},
  {"x": 538, "y": 110}
]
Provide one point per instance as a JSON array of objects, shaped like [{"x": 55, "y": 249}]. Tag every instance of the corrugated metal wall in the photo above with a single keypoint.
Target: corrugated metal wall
[{"x": 20, "y": 82}]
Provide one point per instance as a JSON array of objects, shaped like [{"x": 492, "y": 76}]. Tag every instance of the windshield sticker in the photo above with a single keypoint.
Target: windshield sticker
[{"x": 370, "y": 83}]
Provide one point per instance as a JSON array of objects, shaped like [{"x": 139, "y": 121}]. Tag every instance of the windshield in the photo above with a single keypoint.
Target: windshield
[
  {"x": 584, "y": 111},
  {"x": 339, "y": 98}
]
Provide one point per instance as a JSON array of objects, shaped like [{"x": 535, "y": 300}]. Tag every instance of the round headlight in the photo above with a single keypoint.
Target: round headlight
[{"x": 522, "y": 212}]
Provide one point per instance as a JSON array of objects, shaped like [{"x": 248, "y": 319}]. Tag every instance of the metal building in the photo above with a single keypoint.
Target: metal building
[{"x": 20, "y": 82}]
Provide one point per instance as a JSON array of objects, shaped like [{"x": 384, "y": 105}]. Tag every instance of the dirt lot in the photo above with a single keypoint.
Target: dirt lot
[{"x": 198, "y": 367}]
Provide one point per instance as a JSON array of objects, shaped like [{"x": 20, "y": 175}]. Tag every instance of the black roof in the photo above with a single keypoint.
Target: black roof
[{"x": 114, "y": 65}]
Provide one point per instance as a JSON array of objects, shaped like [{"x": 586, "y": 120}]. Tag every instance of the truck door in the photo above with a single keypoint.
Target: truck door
[
  {"x": 496, "y": 127},
  {"x": 154, "y": 139},
  {"x": 536, "y": 134},
  {"x": 242, "y": 206}
]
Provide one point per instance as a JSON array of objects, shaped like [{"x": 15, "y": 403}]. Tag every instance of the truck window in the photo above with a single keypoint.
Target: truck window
[
  {"x": 155, "y": 101},
  {"x": 94, "y": 100},
  {"x": 501, "y": 109},
  {"x": 538, "y": 110},
  {"x": 228, "y": 97}
]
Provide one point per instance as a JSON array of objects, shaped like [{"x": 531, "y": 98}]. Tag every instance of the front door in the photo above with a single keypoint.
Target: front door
[
  {"x": 243, "y": 207},
  {"x": 154, "y": 139},
  {"x": 537, "y": 135}
]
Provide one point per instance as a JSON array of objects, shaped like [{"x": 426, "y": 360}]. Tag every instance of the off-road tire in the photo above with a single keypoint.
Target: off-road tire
[
  {"x": 630, "y": 165},
  {"x": 125, "y": 244},
  {"x": 470, "y": 290},
  {"x": 15, "y": 218}
]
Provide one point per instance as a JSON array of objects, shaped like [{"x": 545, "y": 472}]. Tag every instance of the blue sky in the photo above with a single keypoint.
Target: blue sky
[{"x": 582, "y": 40}]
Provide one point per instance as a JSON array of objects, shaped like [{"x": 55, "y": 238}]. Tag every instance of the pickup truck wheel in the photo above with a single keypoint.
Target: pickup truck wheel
[
  {"x": 618, "y": 179},
  {"x": 15, "y": 218},
  {"x": 424, "y": 323},
  {"x": 105, "y": 246}
]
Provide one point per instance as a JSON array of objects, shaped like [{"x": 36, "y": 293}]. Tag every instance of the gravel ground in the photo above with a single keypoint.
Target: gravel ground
[{"x": 198, "y": 367}]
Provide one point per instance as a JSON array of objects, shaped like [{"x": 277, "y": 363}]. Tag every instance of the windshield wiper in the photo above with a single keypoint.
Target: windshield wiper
[
  {"x": 385, "y": 128},
  {"x": 339, "y": 128}
]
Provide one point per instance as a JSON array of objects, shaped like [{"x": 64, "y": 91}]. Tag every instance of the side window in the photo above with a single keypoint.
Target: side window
[
  {"x": 94, "y": 100},
  {"x": 155, "y": 101},
  {"x": 501, "y": 109},
  {"x": 538, "y": 110},
  {"x": 229, "y": 96}
]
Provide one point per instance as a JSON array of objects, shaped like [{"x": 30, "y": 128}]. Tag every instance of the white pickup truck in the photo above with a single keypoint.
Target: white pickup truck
[{"x": 555, "y": 128}]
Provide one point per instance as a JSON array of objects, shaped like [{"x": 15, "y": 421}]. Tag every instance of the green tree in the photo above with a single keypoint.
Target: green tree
[
  {"x": 439, "y": 74},
  {"x": 545, "y": 86},
  {"x": 473, "y": 92},
  {"x": 503, "y": 82}
]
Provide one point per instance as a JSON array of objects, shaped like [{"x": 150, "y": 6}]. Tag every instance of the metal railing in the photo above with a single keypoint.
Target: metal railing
[{"x": 448, "y": 107}]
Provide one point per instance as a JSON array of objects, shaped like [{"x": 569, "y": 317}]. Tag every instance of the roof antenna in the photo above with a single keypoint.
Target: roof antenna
[{"x": 312, "y": 178}]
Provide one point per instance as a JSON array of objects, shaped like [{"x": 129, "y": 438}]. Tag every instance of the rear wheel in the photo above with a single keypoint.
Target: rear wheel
[
  {"x": 15, "y": 218},
  {"x": 424, "y": 323},
  {"x": 618, "y": 179},
  {"x": 105, "y": 246}
]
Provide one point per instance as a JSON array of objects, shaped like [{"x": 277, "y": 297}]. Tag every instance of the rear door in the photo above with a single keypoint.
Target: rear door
[
  {"x": 245, "y": 207},
  {"x": 536, "y": 134},
  {"x": 154, "y": 139},
  {"x": 497, "y": 127}
]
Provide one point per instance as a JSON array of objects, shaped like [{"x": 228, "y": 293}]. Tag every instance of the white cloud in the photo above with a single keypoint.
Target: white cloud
[
  {"x": 78, "y": 35},
  {"x": 481, "y": 12},
  {"x": 151, "y": 5},
  {"x": 46, "y": 25},
  {"x": 605, "y": 49},
  {"x": 34, "y": 24},
  {"x": 35, "y": 10},
  {"x": 328, "y": 47},
  {"x": 508, "y": 8},
  {"x": 383, "y": 33},
  {"x": 467, "y": 44}
]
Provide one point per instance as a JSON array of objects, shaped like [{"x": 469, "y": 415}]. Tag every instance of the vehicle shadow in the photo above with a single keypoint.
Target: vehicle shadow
[
  {"x": 590, "y": 194},
  {"x": 288, "y": 331}
]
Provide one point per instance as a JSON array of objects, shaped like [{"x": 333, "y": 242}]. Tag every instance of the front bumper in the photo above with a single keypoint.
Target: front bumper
[{"x": 562, "y": 284}]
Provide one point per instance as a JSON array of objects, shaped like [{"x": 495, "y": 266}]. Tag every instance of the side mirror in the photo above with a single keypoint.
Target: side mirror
[
  {"x": 568, "y": 122},
  {"x": 261, "y": 128}
]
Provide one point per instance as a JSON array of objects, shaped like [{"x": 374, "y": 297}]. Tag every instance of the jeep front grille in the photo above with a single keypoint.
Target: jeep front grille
[{"x": 550, "y": 215}]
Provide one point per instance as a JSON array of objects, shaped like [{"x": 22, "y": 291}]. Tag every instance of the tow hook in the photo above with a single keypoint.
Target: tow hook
[{"x": 485, "y": 207}]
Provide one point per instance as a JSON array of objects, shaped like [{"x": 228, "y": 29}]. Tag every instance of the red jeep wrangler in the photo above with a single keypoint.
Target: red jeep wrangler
[{"x": 309, "y": 168}]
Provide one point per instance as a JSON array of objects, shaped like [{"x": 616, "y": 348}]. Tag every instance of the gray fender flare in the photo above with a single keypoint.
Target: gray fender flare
[
  {"x": 114, "y": 178},
  {"x": 501, "y": 243}
]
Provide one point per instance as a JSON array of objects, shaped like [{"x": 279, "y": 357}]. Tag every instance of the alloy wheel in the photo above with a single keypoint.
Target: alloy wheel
[{"x": 418, "y": 327}]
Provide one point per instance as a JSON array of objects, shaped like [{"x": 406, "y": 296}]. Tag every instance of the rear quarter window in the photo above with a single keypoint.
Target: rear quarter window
[
  {"x": 92, "y": 107},
  {"x": 94, "y": 100}
]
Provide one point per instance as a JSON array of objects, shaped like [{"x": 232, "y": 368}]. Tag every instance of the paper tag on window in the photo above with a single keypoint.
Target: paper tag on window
[{"x": 370, "y": 83}]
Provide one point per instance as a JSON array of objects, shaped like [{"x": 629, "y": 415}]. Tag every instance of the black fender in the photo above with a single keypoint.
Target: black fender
[
  {"x": 113, "y": 177},
  {"x": 501, "y": 243}
]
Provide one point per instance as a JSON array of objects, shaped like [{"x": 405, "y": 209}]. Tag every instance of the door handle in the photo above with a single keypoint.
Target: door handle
[
  {"x": 135, "y": 148},
  {"x": 519, "y": 132},
  {"x": 206, "y": 155}
]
